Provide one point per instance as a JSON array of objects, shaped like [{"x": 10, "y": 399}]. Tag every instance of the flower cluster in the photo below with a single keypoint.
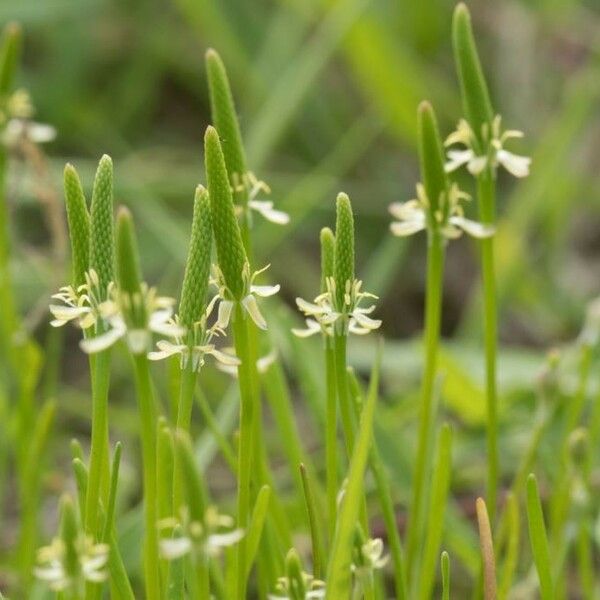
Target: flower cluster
[
  {"x": 54, "y": 570},
  {"x": 412, "y": 216},
  {"x": 249, "y": 295},
  {"x": 200, "y": 540},
  {"x": 314, "y": 588},
  {"x": 492, "y": 154},
  {"x": 327, "y": 316},
  {"x": 248, "y": 183},
  {"x": 198, "y": 346}
]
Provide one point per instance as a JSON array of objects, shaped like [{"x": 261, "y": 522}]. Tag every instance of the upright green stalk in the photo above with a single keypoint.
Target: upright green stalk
[
  {"x": 331, "y": 443},
  {"x": 232, "y": 262},
  {"x": 343, "y": 276},
  {"x": 102, "y": 262},
  {"x": 129, "y": 280},
  {"x": 191, "y": 315},
  {"x": 479, "y": 113},
  {"x": 436, "y": 187}
]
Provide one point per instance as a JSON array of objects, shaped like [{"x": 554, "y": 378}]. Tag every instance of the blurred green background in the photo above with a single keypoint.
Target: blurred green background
[{"x": 327, "y": 94}]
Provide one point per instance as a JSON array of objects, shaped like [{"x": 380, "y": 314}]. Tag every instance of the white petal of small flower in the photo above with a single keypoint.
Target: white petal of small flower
[
  {"x": 514, "y": 163},
  {"x": 216, "y": 541},
  {"x": 64, "y": 314},
  {"x": 477, "y": 164},
  {"x": 312, "y": 327},
  {"x": 251, "y": 306},
  {"x": 265, "y": 208},
  {"x": 138, "y": 340},
  {"x": 264, "y": 362},
  {"x": 309, "y": 308},
  {"x": 173, "y": 548},
  {"x": 365, "y": 321},
  {"x": 404, "y": 211},
  {"x": 166, "y": 349},
  {"x": 40, "y": 133},
  {"x": 104, "y": 340},
  {"x": 406, "y": 228},
  {"x": 264, "y": 291},
  {"x": 224, "y": 314},
  {"x": 458, "y": 158},
  {"x": 473, "y": 228},
  {"x": 223, "y": 357}
]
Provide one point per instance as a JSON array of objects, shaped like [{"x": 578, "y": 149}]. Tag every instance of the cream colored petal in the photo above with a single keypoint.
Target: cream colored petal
[
  {"x": 365, "y": 321},
  {"x": 224, "y": 358},
  {"x": 103, "y": 341},
  {"x": 473, "y": 228},
  {"x": 222, "y": 540},
  {"x": 457, "y": 158},
  {"x": 265, "y": 208},
  {"x": 406, "y": 228},
  {"x": 264, "y": 291},
  {"x": 224, "y": 313},
  {"x": 309, "y": 308},
  {"x": 264, "y": 362},
  {"x": 251, "y": 306},
  {"x": 312, "y": 327},
  {"x": 514, "y": 163},
  {"x": 477, "y": 164},
  {"x": 174, "y": 548},
  {"x": 405, "y": 210},
  {"x": 40, "y": 133}
]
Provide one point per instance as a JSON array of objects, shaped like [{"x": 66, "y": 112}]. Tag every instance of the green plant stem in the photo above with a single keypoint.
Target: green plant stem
[
  {"x": 184, "y": 417},
  {"x": 99, "y": 464},
  {"x": 148, "y": 428},
  {"x": 343, "y": 393},
  {"x": 486, "y": 190},
  {"x": 243, "y": 351},
  {"x": 331, "y": 443},
  {"x": 433, "y": 306}
]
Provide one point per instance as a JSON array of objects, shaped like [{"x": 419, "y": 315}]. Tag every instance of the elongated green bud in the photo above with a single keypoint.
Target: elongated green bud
[
  {"x": 327, "y": 255},
  {"x": 79, "y": 224},
  {"x": 69, "y": 533},
  {"x": 475, "y": 95},
  {"x": 224, "y": 117},
  {"x": 344, "y": 247},
  {"x": 195, "y": 279},
  {"x": 431, "y": 158},
  {"x": 230, "y": 249},
  {"x": 293, "y": 567},
  {"x": 9, "y": 56},
  {"x": 102, "y": 226}
]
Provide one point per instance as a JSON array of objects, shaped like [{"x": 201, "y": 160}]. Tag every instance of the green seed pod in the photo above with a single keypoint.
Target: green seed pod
[
  {"x": 476, "y": 98},
  {"x": 293, "y": 568},
  {"x": 230, "y": 249},
  {"x": 224, "y": 116},
  {"x": 102, "y": 226},
  {"x": 79, "y": 224},
  {"x": 9, "y": 56},
  {"x": 344, "y": 247},
  {"x": 195, "y": 279},
  {"x": 69, "y": 533},
  {"x": 431, "y": 158},
  {"x": 327, "y": 255}
]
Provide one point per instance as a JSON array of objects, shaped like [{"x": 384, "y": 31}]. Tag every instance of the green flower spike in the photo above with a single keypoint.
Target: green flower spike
[
  {"x": 79, "y": 224},
  {"x": 338, "y": 309},
  {"x": 72, "y": 559},
  {"x": 193, "y": 308},
  {"x": 232, "y": 276},
  {"x": 438, "y": 206},
  {"x": 132, "y": 310},
  {"x": 102, "y": 242},
  {"x": 481, "y": 132},
  {"x": 245, "y": 185}
]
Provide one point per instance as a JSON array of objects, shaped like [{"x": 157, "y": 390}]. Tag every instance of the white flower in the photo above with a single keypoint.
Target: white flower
[
  {"x": 253, "y": 186},
  {"x": 17, "y": 130},
  {"x": 262, "y": 364},
  {"x": 494, "y": 153},
  {"x": 122, "y": 312},
  {"x": 200, "y": 346},
  {"x": 91, "y": 562},
  {"x": 198, "y": 539},
  {"x": 369, "y": 558},
  {"x": 324, "y": 316},
  {"x": 80, "y": 305},
  {"x": 449, "y": 218},
  {"x": 248, "y": 301},
  {"x": 315, "y": 588}
]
